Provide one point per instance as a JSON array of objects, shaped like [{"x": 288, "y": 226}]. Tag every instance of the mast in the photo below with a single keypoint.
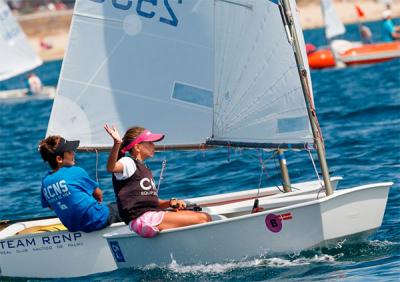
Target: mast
[{"x": 292, "y": 36}]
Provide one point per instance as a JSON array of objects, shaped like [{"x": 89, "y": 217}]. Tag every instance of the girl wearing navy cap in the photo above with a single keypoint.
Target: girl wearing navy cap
[
  {"x": 134, "y": 187},
  {"x": 70, "y": 192}
]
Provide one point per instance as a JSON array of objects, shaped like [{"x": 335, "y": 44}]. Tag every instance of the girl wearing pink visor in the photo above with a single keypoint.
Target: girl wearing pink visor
[{"x": 135, "y": 190}]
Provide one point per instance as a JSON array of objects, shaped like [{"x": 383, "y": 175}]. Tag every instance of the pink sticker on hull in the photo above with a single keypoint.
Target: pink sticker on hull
[{"x": 273, "y": 222}]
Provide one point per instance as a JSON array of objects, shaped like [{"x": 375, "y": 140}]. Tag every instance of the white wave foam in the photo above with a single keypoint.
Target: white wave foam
[
  {"x": 383, "y": 244},
  {"x": 228, "y": 266},
  {"x": 212, "y": 268}
]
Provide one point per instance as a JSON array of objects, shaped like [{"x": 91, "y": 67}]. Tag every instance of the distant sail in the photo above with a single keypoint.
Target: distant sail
[
  {"x": 16, "y": 54},
  {"x": 137, "y": 63},
  {"x": 258, "y": 94},
  {"x": 333, "y": 25}
]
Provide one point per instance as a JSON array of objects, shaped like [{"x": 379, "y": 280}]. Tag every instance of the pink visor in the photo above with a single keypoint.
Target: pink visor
[{"x": 145, "y": 136}]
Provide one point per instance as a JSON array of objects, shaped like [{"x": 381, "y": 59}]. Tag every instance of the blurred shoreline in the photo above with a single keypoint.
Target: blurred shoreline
[{"x": 48, "y": 30}]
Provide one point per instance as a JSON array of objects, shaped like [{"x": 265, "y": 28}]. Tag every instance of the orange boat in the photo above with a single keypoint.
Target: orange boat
[{"x": 361, "y": 54}]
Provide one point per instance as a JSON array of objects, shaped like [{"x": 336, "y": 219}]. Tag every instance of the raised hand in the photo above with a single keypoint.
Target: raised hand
[{"x": 113, "y": 132}]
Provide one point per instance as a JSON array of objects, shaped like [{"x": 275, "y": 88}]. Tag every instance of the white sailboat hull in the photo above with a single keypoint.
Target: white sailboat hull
[
  {"x": 48, "y": 92},
  {"x": 347, "y": 212},
  {"x": 37, "y": 255}
]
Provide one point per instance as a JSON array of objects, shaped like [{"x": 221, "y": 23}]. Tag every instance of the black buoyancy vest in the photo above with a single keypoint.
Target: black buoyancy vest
[{"x": 136, "y": 194}]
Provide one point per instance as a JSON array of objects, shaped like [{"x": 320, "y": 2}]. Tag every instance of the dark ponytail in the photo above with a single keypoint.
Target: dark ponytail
[{"x": 47, "y": 147}]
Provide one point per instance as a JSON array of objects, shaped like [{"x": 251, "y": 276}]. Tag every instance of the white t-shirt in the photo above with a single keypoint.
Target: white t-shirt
[
  {"x": 129, "y": 168},
  {"x": 35, "y": 85}
]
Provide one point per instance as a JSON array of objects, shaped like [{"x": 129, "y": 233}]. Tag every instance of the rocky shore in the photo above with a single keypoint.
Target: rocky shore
[{"x": 48, "y": 31}]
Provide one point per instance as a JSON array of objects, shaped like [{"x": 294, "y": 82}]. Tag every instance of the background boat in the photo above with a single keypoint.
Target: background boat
[
  {"x": 47, "y": 92},
  {"x": 349, "y": 53},
  {"x": 17, "y": 56}
]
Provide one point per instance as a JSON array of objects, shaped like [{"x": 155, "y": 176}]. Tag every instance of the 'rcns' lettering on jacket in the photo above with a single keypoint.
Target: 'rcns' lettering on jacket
[{"x": 56, "y": 191}]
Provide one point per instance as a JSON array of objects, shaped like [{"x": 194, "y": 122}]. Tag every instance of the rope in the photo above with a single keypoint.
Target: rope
[
  {"x": 97, "y": 165},
  {"x": 163, "y": 166},
  {"x": 314, "y": 113},
  {"x": 316, "y": 172},
  {"x": 262, "y": 167},
  {"x": 229, "y": 152}
]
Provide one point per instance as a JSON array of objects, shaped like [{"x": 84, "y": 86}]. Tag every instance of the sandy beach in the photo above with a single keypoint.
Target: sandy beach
[{"x": 52, "y": 28}]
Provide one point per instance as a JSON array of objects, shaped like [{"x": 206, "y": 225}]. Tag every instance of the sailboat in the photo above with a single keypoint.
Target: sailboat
[
  {"x": 262, "y": 98},
  {"x": 343, "y": 53},
  {"x": 16, "y": 55},
  {"x": 200, "y": 72}
]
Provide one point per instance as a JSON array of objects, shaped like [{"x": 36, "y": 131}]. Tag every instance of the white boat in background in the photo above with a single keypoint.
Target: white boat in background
[
  {"x": 48, "y": 92},
  {"x": 333, "y": 25},
  {"x": 37, "y": 244},
  {"x": 16, "y": 54}
]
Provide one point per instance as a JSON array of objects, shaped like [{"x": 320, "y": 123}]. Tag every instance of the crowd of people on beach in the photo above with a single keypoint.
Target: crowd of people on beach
[{"x": 30, "y": 6}]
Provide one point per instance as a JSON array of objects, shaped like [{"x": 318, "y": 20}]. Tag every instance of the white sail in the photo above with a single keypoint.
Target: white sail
[
  {"x": 16, "y": 54},
  {"x": 137, "y": 63},
  {"x": 258, "y": 97},
  {"x": 333, "y": 25}
]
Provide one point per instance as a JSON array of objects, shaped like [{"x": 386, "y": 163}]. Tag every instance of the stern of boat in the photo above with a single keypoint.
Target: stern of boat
[{"x": 354, "y": 211}]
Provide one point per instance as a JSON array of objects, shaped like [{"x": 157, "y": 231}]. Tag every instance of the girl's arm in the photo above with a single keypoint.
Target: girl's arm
[{"x": 112, "y": 164}]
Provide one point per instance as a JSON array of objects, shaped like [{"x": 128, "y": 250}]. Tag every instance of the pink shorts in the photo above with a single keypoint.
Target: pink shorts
[{"x": 146, "y": 224}]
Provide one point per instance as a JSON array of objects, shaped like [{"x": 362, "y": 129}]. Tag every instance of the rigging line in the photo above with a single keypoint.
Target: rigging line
[
  {"x": 97, "y": 165},
  {"x": 229, "y": 152},
  {"x": 262, "y": 166},
  {"x": 163, "y": 166},
  {"x": 312, "y": 107},
  {"x": 202, "y": 148},
  {"x": 316, "y": 172}
]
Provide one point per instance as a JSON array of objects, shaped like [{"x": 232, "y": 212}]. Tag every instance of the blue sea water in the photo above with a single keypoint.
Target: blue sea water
[{"x": 359, "y": 113}]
